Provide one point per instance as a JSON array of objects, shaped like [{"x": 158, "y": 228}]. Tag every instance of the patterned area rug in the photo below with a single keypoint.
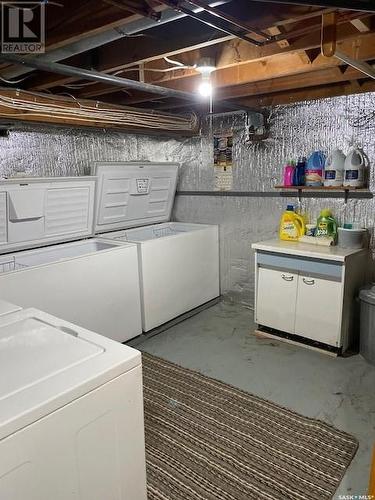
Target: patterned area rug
[{"x": 206, "y": 440}]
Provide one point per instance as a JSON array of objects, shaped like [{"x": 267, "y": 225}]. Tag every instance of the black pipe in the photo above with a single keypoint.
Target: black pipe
[
  {"x": 202, "y": 18},
  {"x": 229, "y": 19},
  {"x": 117, "y": 81}
]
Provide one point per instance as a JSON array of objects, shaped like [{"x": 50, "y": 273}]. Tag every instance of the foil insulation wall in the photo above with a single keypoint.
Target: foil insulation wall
[
  {"x": 295, "y": 130},
  {"x": 257, "y": 166}
]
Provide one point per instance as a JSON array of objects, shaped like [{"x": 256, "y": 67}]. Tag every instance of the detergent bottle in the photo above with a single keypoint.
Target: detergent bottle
[
  {"x": 292, "y": 225},
  {"x": 314, "y": 169},
  {"x": 289, "y": 174},
  {"x": 326, "y": 225},
  {"x": 355, "y": 165},
  {"x": 299, "y": 172},
  {"x": 334, "y": 168}
]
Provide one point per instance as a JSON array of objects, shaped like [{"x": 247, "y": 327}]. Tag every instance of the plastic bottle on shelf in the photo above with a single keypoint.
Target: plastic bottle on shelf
[
  {"x": 292, "y": 225},
  {"x": 355, "y": 166},
  {"x": 334, "y": 169},
  {"x": 299, "y": 172},
  {"x": 326, "y": 225},
  {"x": 289, "y": 174},
  {"x": 314, "y": 169}
]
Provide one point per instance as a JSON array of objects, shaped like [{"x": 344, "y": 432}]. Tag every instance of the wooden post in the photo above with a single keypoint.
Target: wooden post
[
  {"x": 329, "y": 21},
  {"x": 371, "y": 488}
]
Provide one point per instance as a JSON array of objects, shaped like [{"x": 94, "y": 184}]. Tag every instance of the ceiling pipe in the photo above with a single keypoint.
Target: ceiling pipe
[
  {"x": 96, "y": 76},
  {"x": 356, "y": 5},
  {"x": 207, "y": 20},
  {"x": 229, "y": 19},
  {"x": 364, "y": 67},
  {"x": 95, "y": 41}
]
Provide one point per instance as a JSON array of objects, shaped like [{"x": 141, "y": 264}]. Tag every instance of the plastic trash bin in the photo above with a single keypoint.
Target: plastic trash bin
[{"x": 367, "y": 329}]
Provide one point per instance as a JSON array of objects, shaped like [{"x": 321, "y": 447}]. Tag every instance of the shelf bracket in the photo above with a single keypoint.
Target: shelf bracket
[{"x": 346, "y": 196}]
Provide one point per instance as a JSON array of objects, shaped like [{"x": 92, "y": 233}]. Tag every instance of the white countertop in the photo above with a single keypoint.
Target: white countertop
[{"x": 306, "y": 250}]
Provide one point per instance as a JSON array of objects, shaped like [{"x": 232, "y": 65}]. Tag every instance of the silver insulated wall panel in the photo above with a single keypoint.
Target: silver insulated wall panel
[{"x": 295, "y": 130}]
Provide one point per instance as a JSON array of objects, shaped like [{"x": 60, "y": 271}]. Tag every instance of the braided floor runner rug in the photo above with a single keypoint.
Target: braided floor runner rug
[{"x": 206, "y": 440}]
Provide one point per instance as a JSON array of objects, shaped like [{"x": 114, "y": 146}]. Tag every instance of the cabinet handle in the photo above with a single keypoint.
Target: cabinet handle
[
  {"x": 308, "y": 282},
  {"x": 287, "y": 278}
]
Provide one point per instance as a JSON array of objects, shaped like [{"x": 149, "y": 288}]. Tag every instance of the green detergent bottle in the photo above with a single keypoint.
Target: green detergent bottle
[{"x": 326, "y": 224}]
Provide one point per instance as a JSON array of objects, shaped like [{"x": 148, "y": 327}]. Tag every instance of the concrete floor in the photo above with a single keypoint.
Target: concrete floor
[{"x": 341, "y": 391}]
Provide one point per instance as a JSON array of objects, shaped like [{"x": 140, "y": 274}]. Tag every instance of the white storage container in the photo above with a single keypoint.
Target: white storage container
[
  {"x": 178, "y": 262},
  {"x": 351, "y": 238}
]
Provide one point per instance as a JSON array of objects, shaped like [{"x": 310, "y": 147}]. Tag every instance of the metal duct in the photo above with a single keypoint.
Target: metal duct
[
  {"x": 117, "y": 81},
  {"x": 364, "y": 67},
  {"x": 92, "y": 42},
  {"x": 88, "y": 74}
]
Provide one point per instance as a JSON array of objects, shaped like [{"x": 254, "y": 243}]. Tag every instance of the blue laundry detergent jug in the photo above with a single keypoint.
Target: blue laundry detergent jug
[{"x": 314, "y": 169}]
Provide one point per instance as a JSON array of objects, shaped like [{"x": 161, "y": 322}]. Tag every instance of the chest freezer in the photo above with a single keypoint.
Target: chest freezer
[
  {"x": 89, "y": 282},
  {"x": 178, "y": 262},
  {"x": 71, "y": 412}
]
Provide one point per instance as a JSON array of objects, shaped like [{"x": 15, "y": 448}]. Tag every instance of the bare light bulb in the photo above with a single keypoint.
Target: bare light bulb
[{"x": 205, "y": 88}]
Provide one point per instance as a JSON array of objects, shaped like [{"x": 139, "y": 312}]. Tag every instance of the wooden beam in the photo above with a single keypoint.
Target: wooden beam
[
  {"x": 124, "y": 53},
  {"x": 132, "y": 51},
  {"x": 275, "y": 30},
  {"x": 308, "y": 94},
  {"x": 274, "y": 74},
  {"x": 285, "y": 64},
  {"x": 362, "y": 25}
]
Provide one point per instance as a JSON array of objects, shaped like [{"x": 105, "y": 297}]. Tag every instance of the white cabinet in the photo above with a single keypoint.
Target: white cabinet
[
  {"x": 276, "y": 299},
  {"x": 318, "y": 309},
  {"x": 308, "y": 293}
]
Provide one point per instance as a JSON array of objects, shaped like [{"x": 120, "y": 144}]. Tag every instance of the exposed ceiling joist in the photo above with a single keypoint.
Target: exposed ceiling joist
[
  {"x": 356, "y": 5},
  {"x": 107, "y": 79},
  {"x": 228, "y": 51}
]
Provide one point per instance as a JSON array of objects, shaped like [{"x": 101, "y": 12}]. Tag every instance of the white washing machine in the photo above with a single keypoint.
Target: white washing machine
[
  {"x": 71, "y": 412},
  {"x": 178, "y": 262},
  {"x": 7, "y": 307},
  {"x": 91, "y": 283}
]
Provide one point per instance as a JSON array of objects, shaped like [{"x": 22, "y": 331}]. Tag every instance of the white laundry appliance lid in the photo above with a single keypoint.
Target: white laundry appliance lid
[
  {"x": 40, "y": 211},
  {"x": 46, "y": 363},
  {"x": 132, "y": 194},
  {"x": 7, "y": 307}
]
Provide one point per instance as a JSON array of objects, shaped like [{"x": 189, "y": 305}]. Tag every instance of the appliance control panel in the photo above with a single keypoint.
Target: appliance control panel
[{"x": 141, "y": 186}]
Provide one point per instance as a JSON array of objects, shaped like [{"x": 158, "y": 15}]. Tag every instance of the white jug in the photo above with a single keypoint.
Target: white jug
[
  {"x": 355, "y": 165},
  {"x": 334, "y": 169}
]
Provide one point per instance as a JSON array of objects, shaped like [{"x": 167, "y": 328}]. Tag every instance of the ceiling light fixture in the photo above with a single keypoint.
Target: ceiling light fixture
[{"x": 205, "y": 67}]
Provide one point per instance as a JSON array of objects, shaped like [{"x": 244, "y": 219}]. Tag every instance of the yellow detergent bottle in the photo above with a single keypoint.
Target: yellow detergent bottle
[{"x": 292, "y": 225}]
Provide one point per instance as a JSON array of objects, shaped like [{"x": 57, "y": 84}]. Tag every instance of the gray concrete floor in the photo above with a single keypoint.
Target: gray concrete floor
[{"x": 218, "y": 342}]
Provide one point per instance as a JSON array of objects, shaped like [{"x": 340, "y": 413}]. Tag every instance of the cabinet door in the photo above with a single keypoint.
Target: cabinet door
[
  {"x": 319, "y": 309},
  {"x": 276, "y": 299}
]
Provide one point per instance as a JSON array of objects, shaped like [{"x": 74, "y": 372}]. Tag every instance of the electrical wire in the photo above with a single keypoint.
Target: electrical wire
[
  {"x": 13, "y": 81},
  {"x": 75, "y": 110}
]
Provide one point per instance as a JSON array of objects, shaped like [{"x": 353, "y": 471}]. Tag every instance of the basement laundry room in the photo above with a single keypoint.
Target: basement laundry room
[{"x": 187, "y": 253}]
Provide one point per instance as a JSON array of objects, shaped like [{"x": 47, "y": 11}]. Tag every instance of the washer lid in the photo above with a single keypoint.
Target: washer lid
[
  {"x": 131, "y": 194},
  {"x": 7, "y": 307},
  {"x": 46, "y": 363}
]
